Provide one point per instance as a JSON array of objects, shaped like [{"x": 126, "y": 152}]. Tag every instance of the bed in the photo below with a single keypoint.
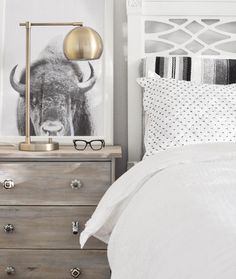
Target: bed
[{"x": 173, "y": 214}]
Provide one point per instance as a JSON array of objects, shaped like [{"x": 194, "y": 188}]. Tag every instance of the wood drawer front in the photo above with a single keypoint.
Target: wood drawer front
[
  {"x": 48, "y": 183},
  {"x": 47, "y": 227},
  {"x": 57, "y": 264}
]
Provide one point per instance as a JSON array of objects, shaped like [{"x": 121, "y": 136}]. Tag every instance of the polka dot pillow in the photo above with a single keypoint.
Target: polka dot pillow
[{"x": 182, "y": 112}]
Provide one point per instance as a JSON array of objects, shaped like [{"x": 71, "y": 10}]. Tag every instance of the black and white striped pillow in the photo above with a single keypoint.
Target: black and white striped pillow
[{"x": 197, "y": 69}]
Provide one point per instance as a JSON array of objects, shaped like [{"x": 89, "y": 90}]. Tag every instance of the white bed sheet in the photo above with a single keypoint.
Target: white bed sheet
[{"x": 172, "y": 216}]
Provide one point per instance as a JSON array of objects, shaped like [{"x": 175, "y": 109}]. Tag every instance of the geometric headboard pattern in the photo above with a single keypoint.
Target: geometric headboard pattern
[
  {"x": 173, "y": 27},
  {"x": 190, "y": 36}
]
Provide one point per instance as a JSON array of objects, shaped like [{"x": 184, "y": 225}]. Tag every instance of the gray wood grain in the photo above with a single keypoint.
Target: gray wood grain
[
  {"x": 47, "y": 227},
  {"x": 64, "y": 153},
  {"x": 54, "y": 264},
  {"x": 48, "y": 183},
  {"x": 42, "y": 206}
]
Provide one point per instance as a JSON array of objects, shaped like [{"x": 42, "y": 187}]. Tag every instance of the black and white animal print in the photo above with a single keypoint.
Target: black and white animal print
[{"x": 59, "y": 105}]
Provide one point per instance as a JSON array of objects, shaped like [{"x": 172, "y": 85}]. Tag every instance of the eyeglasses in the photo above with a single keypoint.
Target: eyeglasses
[{"x": 94, "y": 144}]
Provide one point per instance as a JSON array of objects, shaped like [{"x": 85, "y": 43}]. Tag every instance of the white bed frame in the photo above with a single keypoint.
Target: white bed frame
[{"x": 140, "y": 11}]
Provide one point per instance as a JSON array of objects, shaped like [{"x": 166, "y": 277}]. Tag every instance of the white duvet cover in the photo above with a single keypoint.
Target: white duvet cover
[{"x": 172, "y": 216}]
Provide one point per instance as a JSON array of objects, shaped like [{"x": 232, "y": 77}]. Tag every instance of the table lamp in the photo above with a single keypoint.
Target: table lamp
[{"x": 81, "y": 43}]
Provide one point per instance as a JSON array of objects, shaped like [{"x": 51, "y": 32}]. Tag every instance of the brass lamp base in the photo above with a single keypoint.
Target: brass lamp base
[{"x": 39, "y": 146}]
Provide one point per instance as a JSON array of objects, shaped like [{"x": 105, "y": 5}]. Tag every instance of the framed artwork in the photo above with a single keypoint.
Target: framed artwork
[{"x": 67, "y": 102}]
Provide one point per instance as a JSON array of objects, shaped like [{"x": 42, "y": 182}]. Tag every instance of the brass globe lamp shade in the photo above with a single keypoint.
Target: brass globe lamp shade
[{"x": 83, "y": 43}]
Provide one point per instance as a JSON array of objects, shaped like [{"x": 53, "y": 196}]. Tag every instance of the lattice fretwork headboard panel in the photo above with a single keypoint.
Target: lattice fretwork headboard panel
[
  {"x": 190, "y": 36},
  {"x": 163, "y": 28}
]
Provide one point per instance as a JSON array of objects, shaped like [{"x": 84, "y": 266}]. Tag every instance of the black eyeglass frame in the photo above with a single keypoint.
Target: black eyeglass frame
[{"x": 90, "y": 144}]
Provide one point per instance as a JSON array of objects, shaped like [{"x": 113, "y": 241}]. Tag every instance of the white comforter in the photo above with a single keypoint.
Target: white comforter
[{"x": 172, "y": 216}]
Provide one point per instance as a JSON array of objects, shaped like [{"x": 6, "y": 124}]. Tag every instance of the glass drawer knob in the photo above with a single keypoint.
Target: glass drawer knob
[
  {"x": 75, "y": 227},
  {"x": 8, "y": 184},
  {"x": 76, "y": 184},
  {"x": 9, "y": 228},
  {"x": 10, "y": 270},
  {"x": 75, "y": 272}
]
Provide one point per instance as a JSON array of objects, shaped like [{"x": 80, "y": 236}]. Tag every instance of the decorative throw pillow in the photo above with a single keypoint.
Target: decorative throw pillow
[
  {"x": 182, "y": 112},
  {"x": 197, "y": 69}
]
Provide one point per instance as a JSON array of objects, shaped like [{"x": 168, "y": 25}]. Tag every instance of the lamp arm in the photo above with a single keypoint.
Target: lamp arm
[
  {"x": 53, "y": 24},
  {"x": 27, "y": 83}
]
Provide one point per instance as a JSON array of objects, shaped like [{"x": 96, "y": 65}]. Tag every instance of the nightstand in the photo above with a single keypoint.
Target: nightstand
[{"x": 45, "y": 200}]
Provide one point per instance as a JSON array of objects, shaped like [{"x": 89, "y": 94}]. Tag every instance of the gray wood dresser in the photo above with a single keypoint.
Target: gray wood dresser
[{"x": 45, "y": 200}]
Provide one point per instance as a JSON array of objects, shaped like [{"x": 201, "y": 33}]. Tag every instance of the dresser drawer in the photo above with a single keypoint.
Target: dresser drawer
[
  {"x": 51, "y": 183},
  {"x": 57, "y": 264},
  {"x": 47, "y": 227}
]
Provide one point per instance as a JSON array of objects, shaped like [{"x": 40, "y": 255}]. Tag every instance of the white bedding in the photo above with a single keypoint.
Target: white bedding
[{"x": 172, "y": 216}]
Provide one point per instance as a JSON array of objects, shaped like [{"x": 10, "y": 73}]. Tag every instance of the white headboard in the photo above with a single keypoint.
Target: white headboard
[{"x": 162, "y": 28}]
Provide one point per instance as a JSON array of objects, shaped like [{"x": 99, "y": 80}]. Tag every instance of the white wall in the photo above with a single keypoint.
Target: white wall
[{"x": 120, "y": 82}]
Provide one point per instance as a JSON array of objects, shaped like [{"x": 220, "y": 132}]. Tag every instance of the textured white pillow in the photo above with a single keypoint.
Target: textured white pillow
[{"x": 182, "y": 112}]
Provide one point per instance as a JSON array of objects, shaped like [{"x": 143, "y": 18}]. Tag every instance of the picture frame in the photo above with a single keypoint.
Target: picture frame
[{"x": 103, "y": 104}]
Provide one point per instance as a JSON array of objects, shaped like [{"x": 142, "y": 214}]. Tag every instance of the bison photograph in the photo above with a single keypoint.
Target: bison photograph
[
  {"x": 68, "y": 98},
  {"x": 59, "y": 104}
]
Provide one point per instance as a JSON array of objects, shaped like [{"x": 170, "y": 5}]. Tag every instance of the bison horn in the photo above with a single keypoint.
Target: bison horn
[
  {"x": 87, "y": 85},
  {"x": 19, "y": 87}
]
